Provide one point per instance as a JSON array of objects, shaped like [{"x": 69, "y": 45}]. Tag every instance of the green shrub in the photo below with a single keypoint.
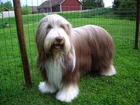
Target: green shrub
[
  {"x": 26, "y": 10},
  {"x": 96, "y": 12}
]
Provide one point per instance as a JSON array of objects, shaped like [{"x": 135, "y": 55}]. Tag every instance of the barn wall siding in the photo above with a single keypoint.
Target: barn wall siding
[{"x": 71, "y": 5}]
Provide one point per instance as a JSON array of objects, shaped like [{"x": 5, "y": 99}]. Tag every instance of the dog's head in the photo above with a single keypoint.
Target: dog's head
[{"x": 53, "y": 35}]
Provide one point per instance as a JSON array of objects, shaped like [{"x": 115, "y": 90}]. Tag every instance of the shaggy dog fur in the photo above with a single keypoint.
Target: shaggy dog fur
[{"x": 64, "y": 52}]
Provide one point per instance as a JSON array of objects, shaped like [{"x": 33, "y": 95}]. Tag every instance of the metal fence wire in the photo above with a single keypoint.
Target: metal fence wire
[{"x": 14, "y": 79}]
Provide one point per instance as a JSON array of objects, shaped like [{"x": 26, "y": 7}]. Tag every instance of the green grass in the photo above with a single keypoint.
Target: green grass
[{"x": 121, "y": 89}]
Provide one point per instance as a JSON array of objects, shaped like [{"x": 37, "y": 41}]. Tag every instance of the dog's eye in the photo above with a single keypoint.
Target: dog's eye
[{"x": 49, "y": 27}]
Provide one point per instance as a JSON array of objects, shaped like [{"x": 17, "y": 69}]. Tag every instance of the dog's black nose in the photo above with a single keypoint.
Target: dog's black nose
[{"x": 58, "y": 39}]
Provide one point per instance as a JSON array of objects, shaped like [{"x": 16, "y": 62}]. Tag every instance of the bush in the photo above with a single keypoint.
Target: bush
[
  {"x": 96, "y": 12},
  {"x": 26, "y": 10}
]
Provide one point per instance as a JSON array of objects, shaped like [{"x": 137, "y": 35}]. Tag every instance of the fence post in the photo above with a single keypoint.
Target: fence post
[
  {"x": 137, "y": 24},
  {"x": 20, "y": 33}
]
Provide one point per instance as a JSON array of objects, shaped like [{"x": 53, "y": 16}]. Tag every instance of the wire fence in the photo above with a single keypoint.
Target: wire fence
[{"x": 12, "y": 83}]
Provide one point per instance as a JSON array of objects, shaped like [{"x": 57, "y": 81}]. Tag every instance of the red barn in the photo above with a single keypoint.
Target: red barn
[{"x": 59, "y": 6}]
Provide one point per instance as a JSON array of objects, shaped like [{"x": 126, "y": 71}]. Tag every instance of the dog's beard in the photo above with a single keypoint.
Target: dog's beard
[{"x": 57, "y": 42}]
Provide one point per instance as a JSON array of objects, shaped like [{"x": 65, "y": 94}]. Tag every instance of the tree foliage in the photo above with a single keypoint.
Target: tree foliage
[
  {"x": 7, "y": 5},
  {"x": 125, "y": 8},
  {"x": 91, "y": 4},
  {"x": 26, "y": 10}
]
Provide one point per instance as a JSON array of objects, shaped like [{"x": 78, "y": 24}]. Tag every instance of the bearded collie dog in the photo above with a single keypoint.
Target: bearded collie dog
[{"x": 63, "y": 52}]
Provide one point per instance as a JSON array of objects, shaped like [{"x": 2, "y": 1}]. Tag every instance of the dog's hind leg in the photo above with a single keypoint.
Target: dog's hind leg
[{"x": 108, "y": 72}]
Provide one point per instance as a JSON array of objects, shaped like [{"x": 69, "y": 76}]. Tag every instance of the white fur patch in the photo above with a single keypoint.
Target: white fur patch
[
  {"x": 46, "y": 88},
  {"x": 67, "y": 94},
  {"x": 54, "y": 71},
  {"x": 110, "y": 72}
]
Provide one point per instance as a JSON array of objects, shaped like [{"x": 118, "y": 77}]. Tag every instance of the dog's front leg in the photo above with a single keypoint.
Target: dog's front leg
[
  {"x": 67, "y": 93},
  {"x": 46, "y": 87}
]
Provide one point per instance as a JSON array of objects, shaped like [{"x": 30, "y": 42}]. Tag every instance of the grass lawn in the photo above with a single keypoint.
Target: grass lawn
[{"x": 121, "y": 89}]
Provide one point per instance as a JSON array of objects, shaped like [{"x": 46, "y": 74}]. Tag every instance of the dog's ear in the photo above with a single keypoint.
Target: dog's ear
[
  {"x": 67, "y": 27},
  {"x": 41, "y": 34}
]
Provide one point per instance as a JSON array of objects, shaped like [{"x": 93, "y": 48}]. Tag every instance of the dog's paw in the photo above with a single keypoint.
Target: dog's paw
[
  {"x": 46, "y": 88},
  {"x": 67, "y": 94},
  {"x": 110, "y": 72}
]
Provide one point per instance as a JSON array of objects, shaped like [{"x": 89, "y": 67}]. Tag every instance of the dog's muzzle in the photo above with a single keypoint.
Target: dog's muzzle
[{"x": 59, "y": 42}]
